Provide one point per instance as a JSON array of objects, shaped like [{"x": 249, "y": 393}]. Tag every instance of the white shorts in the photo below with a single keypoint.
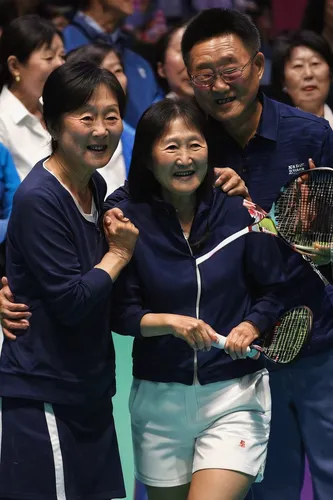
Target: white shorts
[{"x": 179, "y": 429}]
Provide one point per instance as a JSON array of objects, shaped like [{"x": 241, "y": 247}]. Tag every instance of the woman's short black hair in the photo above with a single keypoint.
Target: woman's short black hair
[
  {"x": 151, "y": 127},
  {"x": 92, "y": 52},
  {"x": 284, "y": 46},
  {"x": 21, "y": 38},
  {"x": 216, "y": 22},
  {"x": 70, "y": 87}
]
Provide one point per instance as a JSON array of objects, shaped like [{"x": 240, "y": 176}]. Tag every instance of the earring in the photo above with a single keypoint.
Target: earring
[
  {"x": 17, "y": 78},
  {"x": 284, "y": 90}
]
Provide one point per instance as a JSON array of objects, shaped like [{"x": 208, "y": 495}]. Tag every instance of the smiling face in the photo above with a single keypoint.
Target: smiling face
[
  {"x": 89, "y": 136},
  {"x": 173, "y": 68},
  {"x": 307, "y": 78},
  {"x": 226, "y": 102},
  {"x": 179, "y": 159}
]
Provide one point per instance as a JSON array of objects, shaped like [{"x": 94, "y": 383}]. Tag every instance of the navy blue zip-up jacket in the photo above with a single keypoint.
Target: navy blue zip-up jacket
[
  {"x": 286, "y": 138},
  {"x": 66, "y": 355},
  {"x": 166, "y": 275}
]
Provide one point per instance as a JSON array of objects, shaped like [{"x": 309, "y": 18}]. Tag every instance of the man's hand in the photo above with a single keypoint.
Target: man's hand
[
  {"x": 231, "y": 183},
  {"x": 13, "y": 316},
  {"x": 240, "y": 338}
]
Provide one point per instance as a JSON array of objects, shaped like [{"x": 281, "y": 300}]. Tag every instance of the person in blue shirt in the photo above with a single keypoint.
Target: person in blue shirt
[
  {"x": 9, "y": 182},
  {"x": 101, "y": 21},
  {"x": 200, "y": 418},
  {"x": 57, "y": 431},
  {"x": 267, "y": 143}
]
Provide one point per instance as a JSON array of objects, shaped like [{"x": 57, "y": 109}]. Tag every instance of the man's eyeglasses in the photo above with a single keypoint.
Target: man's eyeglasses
[{"x": 208, "y": 78}]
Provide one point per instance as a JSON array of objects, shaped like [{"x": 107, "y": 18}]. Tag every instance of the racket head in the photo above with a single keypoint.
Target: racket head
[
  {"x": 293, "y": 331},
  {"x": 303, "y": 212}
]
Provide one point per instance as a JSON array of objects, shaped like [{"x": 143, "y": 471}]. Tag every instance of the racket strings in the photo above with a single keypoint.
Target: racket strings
[
  {"x": 304, "y": 210},
  {"x": 289, "y": 336}
]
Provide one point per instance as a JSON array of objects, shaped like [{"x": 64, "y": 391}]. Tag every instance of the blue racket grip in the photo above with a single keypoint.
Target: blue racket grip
[{"x": 220, "y": 343}]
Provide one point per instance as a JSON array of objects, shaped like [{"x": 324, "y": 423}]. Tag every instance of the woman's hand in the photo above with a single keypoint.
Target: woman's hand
[
  {"x": 240, "y": 338},
  {"x": 120, "y": 234},
  {"x": 231, "y": 183},
  {"x": 13, "y": 316},
  {"x": 194, "y": 331}
]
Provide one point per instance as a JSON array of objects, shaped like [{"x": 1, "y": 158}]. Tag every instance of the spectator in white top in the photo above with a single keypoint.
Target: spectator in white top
[{"x": 30, "y": 49}]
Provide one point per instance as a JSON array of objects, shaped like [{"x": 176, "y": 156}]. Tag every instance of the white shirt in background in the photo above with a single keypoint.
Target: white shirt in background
[
  {"x": 114, "y": 172},
  {"x": 22, "y": 133},
  {"x": 328, "y": 115}
]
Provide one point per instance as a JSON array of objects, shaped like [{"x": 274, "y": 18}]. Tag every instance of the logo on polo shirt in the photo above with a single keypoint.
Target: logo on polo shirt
[{"x": 296, "y": 168}]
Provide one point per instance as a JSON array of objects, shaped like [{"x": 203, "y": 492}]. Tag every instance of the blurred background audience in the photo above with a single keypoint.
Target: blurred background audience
[
  {"x": 170, "y": 69},
  {"x": 30, "y": 49},
  {"x": 302, "y": 68}
]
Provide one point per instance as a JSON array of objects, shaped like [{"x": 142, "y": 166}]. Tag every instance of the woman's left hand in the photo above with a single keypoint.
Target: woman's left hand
[
  {"x": 240, "y": 338},
  {"x": 231, "y": 183}
]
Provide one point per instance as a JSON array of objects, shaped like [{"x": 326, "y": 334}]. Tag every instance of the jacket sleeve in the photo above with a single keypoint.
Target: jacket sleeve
[
  {"x": 116, "y": 197},
  {"x": 41, "y": 235},
  {"x": 127, "y": 303},
  {"x": 267, "y": 277}
]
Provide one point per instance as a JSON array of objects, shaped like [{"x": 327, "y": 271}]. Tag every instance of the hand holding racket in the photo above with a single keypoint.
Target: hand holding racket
[
  {"x": 239, "y": 338},
  {"x": 284, "y": 343},
  {"x": 302, "y": 216}
]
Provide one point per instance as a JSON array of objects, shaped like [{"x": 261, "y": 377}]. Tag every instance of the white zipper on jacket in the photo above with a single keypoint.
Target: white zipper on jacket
[{"x": 197, "y": 309}]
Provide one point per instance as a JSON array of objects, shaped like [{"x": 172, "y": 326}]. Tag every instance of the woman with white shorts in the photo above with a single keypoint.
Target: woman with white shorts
[{"x": 200, "y": 417}]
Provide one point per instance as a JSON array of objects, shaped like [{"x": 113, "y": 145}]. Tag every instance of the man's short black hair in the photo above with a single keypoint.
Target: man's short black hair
[{"x": 212, "y": 23}]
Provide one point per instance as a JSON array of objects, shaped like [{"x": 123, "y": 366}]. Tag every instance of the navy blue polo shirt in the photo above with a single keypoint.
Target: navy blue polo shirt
[{"x": 285, "y": 140}]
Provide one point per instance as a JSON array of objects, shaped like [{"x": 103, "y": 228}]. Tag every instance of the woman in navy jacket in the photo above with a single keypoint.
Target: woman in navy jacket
[
  {"x": 200, "y": 417},
  {"x": 57, "y": 436}
]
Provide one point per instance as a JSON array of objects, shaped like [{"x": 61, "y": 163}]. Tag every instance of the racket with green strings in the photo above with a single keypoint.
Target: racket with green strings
[
  {"x": 302, "y": 216},
  {"x": 284, "y": 343}
]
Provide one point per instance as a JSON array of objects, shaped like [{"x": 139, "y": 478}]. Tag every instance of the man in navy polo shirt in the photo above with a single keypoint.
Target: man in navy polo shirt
[
  {"x": 100, "y": 21},
  {"x": 267, "y": 143}
]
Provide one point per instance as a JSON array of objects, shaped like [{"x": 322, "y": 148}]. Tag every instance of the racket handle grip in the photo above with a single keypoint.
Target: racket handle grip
[{"x": 220, "y": 343}]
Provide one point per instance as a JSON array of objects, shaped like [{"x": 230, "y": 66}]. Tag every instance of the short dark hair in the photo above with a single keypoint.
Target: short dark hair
[
  {"x": 284, "y": 46},
  {"x": 211, "y": 23},
  {"x": 92, "y": 52},
  {"x": 21, "y": 38},
  {"x": 71, "y": 86},
  {"x": 152, "y": 125}
]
